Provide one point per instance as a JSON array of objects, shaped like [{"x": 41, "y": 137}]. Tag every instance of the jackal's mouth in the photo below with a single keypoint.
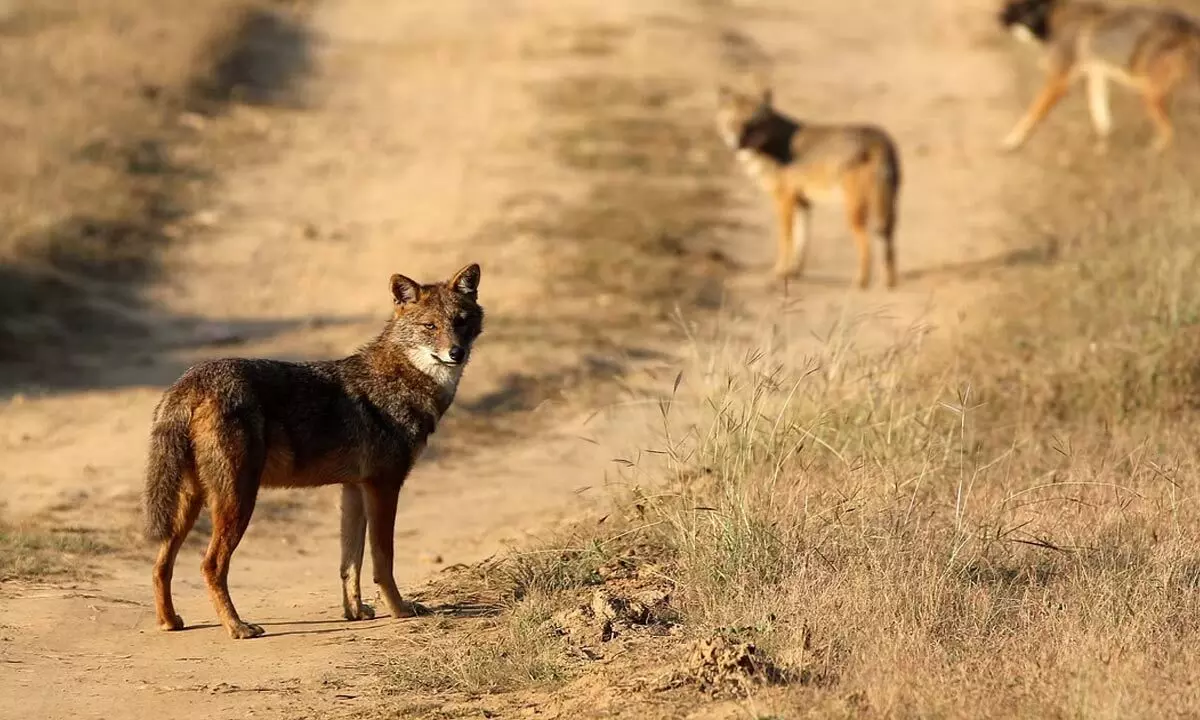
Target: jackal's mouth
[{"x": 447, "y": 361}]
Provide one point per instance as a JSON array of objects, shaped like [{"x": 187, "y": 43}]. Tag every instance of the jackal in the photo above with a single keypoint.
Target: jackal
[
  {"x": 1149, "y": 50},
  {"x": 228, "y": 427},
  {"x": 801, "y": 164}
]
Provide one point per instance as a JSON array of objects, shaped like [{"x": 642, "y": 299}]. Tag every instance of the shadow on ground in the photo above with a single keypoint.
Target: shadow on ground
[{"x": 71, "y": 287}]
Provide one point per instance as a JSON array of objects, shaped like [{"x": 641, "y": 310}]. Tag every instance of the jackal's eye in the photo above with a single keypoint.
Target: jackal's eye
[{"x": 429, "y": 326}]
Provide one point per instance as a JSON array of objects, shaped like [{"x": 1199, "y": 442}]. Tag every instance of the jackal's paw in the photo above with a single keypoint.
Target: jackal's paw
[
  {"x": 783, "y": 279},
  {"x": 244, "y": 631},
  {"x": 172, "y": 623},
  {"x": 779, "y": 284},
  {"x": 363, "y": 612},
  {"x": 410, "y": 609},
  {"x": 1011, "y": 143}
]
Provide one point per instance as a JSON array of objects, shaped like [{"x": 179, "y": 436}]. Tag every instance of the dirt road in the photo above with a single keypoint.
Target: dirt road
[{"x": 566, "y": 146}]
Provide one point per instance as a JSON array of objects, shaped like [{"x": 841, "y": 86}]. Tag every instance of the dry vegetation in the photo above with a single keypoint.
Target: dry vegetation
[
  {"x": 1006, "y": 524},
  {"x": 35, "y": 554}
]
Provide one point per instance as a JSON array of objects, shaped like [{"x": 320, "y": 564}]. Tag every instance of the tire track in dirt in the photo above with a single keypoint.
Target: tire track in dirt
[{"x": 635, "y": 245}]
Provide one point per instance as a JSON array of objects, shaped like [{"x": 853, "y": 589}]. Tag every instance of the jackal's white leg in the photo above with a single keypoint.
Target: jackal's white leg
[
  {"x": 1098, "y": 106},
  {"x": 801, "y": 229}
]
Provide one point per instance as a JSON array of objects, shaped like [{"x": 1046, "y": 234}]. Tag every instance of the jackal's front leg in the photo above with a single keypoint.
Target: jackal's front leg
[
  {"x": 380, "y": 503},
  {"x": 1053, "y": 91},
  {"x": 354, "y": 535},
  {"x": 785, "y": 208},
  {"x": 1098, "y": 108}
]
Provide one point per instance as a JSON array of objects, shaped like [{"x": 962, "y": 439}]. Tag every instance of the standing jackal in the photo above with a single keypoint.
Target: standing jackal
[
  {"x": 228, "y": 427},
  {"x": 801, "y": 164},
  {"x": 1147, "y": 49}
]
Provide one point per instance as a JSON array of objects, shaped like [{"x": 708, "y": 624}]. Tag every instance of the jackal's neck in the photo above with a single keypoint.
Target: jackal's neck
[{"x": 402, "y": 373}]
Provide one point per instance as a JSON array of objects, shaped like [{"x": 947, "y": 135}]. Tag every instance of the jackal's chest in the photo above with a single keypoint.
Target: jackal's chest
[{"x": 761, "y": 169}]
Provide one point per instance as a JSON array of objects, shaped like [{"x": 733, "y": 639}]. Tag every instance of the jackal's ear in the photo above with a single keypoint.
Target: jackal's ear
[
  {"x": 404, "y": 290},
  {"x": 467, "y": 280},
  {"x": 767, "y": 97}
]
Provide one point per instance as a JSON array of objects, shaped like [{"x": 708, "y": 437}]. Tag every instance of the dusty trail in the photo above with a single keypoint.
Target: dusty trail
[{"x": 433, "y": 137}]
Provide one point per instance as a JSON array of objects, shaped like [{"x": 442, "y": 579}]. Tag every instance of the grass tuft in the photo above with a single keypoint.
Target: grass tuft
[
  {"x": 34, "y": 554},
  {"x": 499, "y": 655}
]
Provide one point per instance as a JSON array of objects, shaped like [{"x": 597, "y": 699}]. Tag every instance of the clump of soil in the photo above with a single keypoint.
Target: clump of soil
[
  {"x": 609, "y": 614},
  {"x": 723, "y": 667}
]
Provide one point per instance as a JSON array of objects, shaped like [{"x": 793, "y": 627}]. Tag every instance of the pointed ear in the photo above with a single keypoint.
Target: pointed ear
[
  {"x": 467, "y": 280},
  {"x": 767, "y": 97},
  {"x": 761, "y": 84},
  {"x": 404, "y": 290}
]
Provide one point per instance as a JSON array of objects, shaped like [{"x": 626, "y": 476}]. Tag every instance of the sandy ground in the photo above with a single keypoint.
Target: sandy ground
[{"x": 427, "y": 140}]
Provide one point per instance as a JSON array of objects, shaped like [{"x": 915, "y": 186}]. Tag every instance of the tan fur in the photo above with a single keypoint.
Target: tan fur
[
  {"x": 1149, "y": 50},
  {"x": 802, "y": 165}
]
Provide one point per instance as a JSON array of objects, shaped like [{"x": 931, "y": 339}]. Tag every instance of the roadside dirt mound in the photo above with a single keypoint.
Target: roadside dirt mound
[
  {"x": 723, "y": 667},
  {"x": 608, "y": 614}
]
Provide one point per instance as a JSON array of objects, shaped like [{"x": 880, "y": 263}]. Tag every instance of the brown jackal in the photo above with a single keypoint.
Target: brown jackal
[
  {"x": 1147, "y": 49},
  {"x": 801, "y": 164},
  {"x": 228, "y": 427}
]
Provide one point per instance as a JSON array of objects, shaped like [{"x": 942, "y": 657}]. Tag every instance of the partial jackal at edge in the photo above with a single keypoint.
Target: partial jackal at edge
[
  {"x": 1149, "y": 50},
  {"x": 801, "y": 164},
  {"x": 228, "y": 427}
]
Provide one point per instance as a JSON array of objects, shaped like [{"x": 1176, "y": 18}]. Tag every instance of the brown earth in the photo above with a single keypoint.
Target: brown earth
[{"x": 174, "y": 197}]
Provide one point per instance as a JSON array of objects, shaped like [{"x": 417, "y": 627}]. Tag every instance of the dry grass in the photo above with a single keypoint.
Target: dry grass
[
  {"x": 34, "y": 554},
  {"x": 1008, "y": 524},
  {"x": 510, "y": 653},
  {"x": 1005, "y": 527}
]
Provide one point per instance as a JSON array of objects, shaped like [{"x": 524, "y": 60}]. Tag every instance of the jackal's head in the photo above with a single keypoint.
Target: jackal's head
[
  {"x": 436, "y": 325},
  {"x": 1027, "y": 20},
  {"x": 736, "y": 110}
]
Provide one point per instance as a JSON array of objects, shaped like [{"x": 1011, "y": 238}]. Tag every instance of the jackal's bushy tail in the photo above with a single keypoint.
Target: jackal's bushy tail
[{"x": 170, "y": 456}]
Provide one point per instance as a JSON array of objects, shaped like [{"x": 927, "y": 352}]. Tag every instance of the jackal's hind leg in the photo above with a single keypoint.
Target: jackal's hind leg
[
  {"x": 354, "y": 534},
  {"x": 164, "y": 566}
]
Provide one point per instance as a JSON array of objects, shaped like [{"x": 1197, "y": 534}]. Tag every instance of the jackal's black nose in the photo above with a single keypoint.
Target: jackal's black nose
[{"x": 458, "y": 353}]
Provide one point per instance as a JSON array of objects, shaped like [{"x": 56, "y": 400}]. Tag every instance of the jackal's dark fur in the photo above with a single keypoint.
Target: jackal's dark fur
[{"x": 228, "y": 427}]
